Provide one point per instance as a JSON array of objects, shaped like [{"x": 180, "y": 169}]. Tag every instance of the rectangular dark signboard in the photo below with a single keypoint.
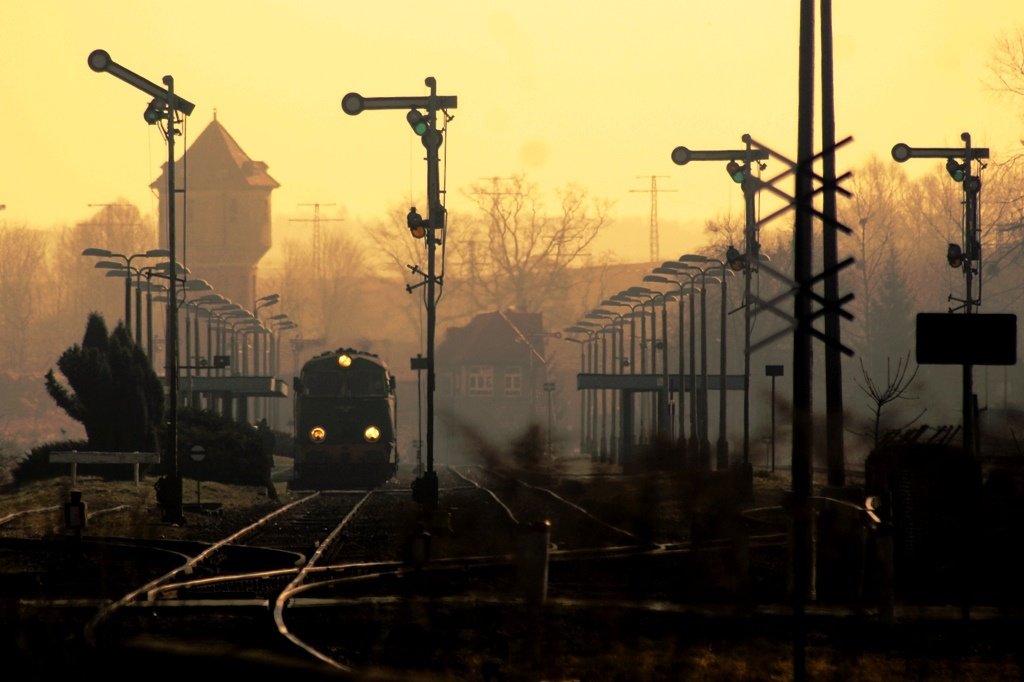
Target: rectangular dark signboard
[{"x": 966, "y": 339}]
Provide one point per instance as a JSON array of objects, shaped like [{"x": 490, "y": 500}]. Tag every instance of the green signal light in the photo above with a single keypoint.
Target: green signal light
[
  {"x": 957, "y": 171},
  {"x": 417, "y": 122},
  {"x": 154, "y": 112},
  {"x": 736, "y": 171}
]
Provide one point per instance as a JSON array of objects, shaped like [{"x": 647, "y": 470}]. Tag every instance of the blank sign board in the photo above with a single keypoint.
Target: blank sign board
[{"x": 966, "y": 339}]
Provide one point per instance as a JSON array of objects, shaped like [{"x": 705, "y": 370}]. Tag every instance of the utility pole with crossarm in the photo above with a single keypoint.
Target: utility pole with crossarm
[{"x": 424, "y": 125}]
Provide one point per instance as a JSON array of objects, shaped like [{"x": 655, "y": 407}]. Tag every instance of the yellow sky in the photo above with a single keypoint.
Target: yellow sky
[{"x": 593, "y": 93}]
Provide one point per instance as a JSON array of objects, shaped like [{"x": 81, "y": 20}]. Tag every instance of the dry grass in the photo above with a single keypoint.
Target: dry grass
[{"x": 142, "y": 518}]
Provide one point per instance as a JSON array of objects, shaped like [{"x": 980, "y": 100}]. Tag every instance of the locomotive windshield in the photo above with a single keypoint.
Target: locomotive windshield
[{"x": 349, "y": 384}]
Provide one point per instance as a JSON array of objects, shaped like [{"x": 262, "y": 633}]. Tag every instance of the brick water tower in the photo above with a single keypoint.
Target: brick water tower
[{"x": 223, "y": 215}]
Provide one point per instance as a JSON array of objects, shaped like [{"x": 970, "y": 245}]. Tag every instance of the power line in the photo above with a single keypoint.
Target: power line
[
  {"x": 318, "y": 238},
  {"x": 655, "y": 253}
]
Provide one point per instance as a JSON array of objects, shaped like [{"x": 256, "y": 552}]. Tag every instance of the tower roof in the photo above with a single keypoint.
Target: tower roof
[{"x": 215, "y": 160}]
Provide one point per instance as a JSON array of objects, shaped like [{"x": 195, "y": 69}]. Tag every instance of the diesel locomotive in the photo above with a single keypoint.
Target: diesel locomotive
[{"x": 345, "y": 427}]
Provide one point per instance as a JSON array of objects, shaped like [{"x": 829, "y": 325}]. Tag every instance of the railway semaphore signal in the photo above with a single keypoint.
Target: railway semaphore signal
[
  {"x": 165, "y": 106},
  {"x": 422, "y": 114}
]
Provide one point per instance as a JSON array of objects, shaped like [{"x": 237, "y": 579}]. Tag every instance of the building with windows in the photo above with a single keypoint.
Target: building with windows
[
  {"x": 490, "y": 382},
  {"x": 223, "y": 230},
  {"x": 224, "y": 215}
]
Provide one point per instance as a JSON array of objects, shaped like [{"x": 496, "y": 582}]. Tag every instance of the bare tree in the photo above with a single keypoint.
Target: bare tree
[
  {"x": 516, "y": 252},
  {"x": 400, "y": 255},
  {"x": 1006, "y": 64},
  {"x": 21, "y": 270},
  {"x": 897, "y": 382},
  {"x": 329, "y": 303},
  {"x": 78, "y": 286},
  {"x": 1002, "y": 219},
  {"x": 874, "y": 216},
  {"x": 723, "y": 231}
]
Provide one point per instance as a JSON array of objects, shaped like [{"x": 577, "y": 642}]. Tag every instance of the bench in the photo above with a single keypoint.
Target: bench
[{"x": 76, "y": 457}]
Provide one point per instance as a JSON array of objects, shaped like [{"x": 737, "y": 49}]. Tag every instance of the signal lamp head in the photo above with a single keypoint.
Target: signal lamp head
[
  {"x": 417, "y": 121},
  {"x": 734, "y": 258},
  {"x": 317, "y": 434},
  {"x": 957, "y": 171},
  {"x": 955, "y": 255},
  {"x": 371, "y": 434},
  {"x": 736, "y": 171},
  {"x": 417, "y": 225},
  {"x": 155, "y": 112},
  {"x": 344, "y": 360}
]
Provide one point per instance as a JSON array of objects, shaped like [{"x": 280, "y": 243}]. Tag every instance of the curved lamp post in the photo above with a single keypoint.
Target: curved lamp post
[
  {"x": 613, "y": 320},
  {"x": 699, "y": 443},
  {"x": 280, "y": 324},
  {"x": 637, "y": 298},
  {"x": 722, "y": 447},
  {"x": 584, "y": 397},
  {"x": 126, "y": 266},
  {"x": 624, "y": 299},
  {"x": 603, "y": 332},
  {"x": 591, "y": 330},
  {"x": 150, "y": 288},
  {"x": 660, "y": 277}
]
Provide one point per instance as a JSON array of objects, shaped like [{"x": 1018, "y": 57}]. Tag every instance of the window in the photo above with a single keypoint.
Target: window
[
  {"x": 513, "y": 381},
  {"x": 481, "y": 380}
]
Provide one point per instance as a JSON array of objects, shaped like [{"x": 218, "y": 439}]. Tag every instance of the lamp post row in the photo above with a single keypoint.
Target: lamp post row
[
  {"x": 230, "y": 316},
  {"x": 596, "y": 422}
]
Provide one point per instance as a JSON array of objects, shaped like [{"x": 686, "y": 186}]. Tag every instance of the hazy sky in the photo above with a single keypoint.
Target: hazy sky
[{"x": 592, "y": 93}]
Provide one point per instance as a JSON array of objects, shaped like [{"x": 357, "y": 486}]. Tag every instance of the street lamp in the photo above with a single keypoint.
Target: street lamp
[
  {"x": 281, "y": 325},
  {"x": 591, "y": 330},
  {"x": 217, "y": 346},
  {"x": 664, "y": 424},
  {"x": 260, "y": 355},
  {"x": 231, "y": 316},
  {"x": 187, "y": 286},
  {"x": 284, "y": 326},
  {"x": 150, "y": 287},
  {"x": 625, "y": 299},
  {"x": 209, "y": 305},
  {"x": 688, "y": 260},
  {"x": 128, "y": 272},
  {"x": 603, "y": 449},
  {"x": 617, "y": 363},
  {"x": 583, "y": 369},
  {"x": 659, "y": 278},
  {"x": 722, "y": 451},
  {"x": 264, "y": 302},
  {"x": 699, "y": 442},
  {"x": 637, "y": 298}
]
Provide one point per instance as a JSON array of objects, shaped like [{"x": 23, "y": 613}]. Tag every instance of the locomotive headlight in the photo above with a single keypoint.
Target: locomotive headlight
[
  {"x": 371, "y": 434},
  {"x": 317, "y": 434},
  {"x": 344, "y": 360}
]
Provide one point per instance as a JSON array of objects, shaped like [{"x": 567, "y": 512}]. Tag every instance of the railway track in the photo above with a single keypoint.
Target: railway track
[
  {"x": 366, "y": 553},
  {"x": 362, "y": 584}
]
